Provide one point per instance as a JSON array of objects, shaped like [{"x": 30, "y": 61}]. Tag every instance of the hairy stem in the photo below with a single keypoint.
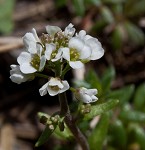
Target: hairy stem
[{"x": 64, "y": 111}]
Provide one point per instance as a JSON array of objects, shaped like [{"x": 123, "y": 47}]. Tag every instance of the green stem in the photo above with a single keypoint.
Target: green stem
[
  {"x": 66, "y": 69},
  {"x": 41, "y": 75},
  {"x": 70, "y": 122},
  {"x": 65, "y": 111}
]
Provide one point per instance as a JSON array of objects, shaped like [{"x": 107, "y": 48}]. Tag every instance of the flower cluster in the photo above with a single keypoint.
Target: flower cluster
[{"x": 57, "y": 51}]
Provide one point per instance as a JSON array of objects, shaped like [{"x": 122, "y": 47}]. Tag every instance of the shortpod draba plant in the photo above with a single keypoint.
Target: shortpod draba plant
[{"x": 58, "y": 51}]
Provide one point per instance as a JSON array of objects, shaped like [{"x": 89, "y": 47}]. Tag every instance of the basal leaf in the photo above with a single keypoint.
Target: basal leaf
[
  {"x": 6, "y": 11},
  {"x": 107, "y": 14},
  {"x": 94, "y": 81},
  {"x": 135, "y": 34},
  {"x": 134, "y": 7},
  {"x": 118, "y": 134},
  {"x": 124, "y": 94},
  {"x": 139, "y": 98},
  {"x": 133, "y": 116},
  {"x": 98, "y": 135},
  {"x": 107, "y": 79},
  {"x": 117, "y": 38},
  {"x": 79, "y": 7}
]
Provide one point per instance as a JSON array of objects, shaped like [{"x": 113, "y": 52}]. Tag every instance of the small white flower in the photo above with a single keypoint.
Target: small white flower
[
  {"x": 76, "y": 51},
  {"x": 30, "y": 63},
  {"x": 54, "y": 86},
  {"x": 17, "y": 76},
  {"x": 86, "y": 95},
  {"x": 96, "y": 48},
  {"x": 69, "y": 30}
]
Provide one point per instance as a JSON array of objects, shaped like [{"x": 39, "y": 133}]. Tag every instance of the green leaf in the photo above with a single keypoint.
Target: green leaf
[
  {"x": 137, "y": 135},
  {"x": 113, "y": 1},
  {"x": 44, "y": 136},
  {"x": 99, "y": 25},
  {"x": 61, "y": 3},
  {"x": 95, "y": 2},
  {"x": 107, "y": 79},
  {"x": 101, "y": 108},
  {"x": 124, "y": 94},
  {"x": 98, "y": 135},
  {"x": 135, "y": 34},
  {"x": 79, "y": 7},
  {"x": 134, "y": 7},
  {"x": 140, "y": 137},
  {"x": 107, "y": 14},
  {"x": 139, "y": 98},
  {"x": 94, "y": 81},
  {"x": 6, "y": 11},
  {"x": 117, "y": 37},
  {"x": 132, "y": 115},
  {"x": 118, "y": 134}
]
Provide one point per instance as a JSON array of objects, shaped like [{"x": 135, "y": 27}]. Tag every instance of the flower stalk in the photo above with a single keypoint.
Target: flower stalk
[{"x": 70, "y": 122}]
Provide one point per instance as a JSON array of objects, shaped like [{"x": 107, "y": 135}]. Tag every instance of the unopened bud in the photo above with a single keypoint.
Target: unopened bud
[
  {"x": 43, "y": 119},
  {"x": 49, "y": 122},
  {"x": 51, "y": 127}
]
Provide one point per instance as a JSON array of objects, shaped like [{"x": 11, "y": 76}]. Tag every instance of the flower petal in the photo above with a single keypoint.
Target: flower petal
[
  {"x": 30, "y": 42},
  {"x": 55, "y": 82},
  {"x": 92, "y": 91},
  {"x": 66, "y": 53},
  {"x": 51, "y": 30},
  {"x": 97, "y": 50},
  {"x": 35, "y": 35},
  {"x": 82, "y": 34},
  {"x": 42, "y": 62},
  {"x": 76, "y": 43},
  {"x": 86, "y": 98},
  {"x": 52, "y": 92},
  {"x": 27, "y": 68},
  {"x": 17, "y": 76},
  {"x": 66, "y": 86},
  {"x": 94, "y": 98},
  {"x": 69, "y": 30},
  {"x": 49, "y": 49},
  {"x": 24, "y": 57},
  {"x": 76, "y": 64},
  {"x": 85, "y": 52},
  {"x": 43, "y": 89}
]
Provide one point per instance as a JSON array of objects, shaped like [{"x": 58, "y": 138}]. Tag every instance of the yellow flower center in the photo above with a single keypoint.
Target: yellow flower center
[
  {"x": 55, "y": 88},
  {"x": 35, "y": 62},
  {"x": 74, "y": 55}
]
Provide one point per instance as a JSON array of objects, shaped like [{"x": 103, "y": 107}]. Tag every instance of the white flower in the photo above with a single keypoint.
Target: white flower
[
  {"x": 30, "y": 41},
  {"x": 96, "y": 48},
  {"x": 33, "y": 60},
  {"x": 54, "y": 86},
  {"x": 30, "y": 63},
  {"x": 86, "y": 95},
  {"x": 69, "y": 30},
  {"x": 17, "y": 76},
  {"x": 76, "y": 52}
]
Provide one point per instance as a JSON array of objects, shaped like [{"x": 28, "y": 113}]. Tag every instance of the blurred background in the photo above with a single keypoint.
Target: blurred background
[{"x": 120, "y": 27}]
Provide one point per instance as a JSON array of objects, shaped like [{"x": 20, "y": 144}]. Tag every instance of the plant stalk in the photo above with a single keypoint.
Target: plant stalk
[{"x": 70, "y": 122}]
